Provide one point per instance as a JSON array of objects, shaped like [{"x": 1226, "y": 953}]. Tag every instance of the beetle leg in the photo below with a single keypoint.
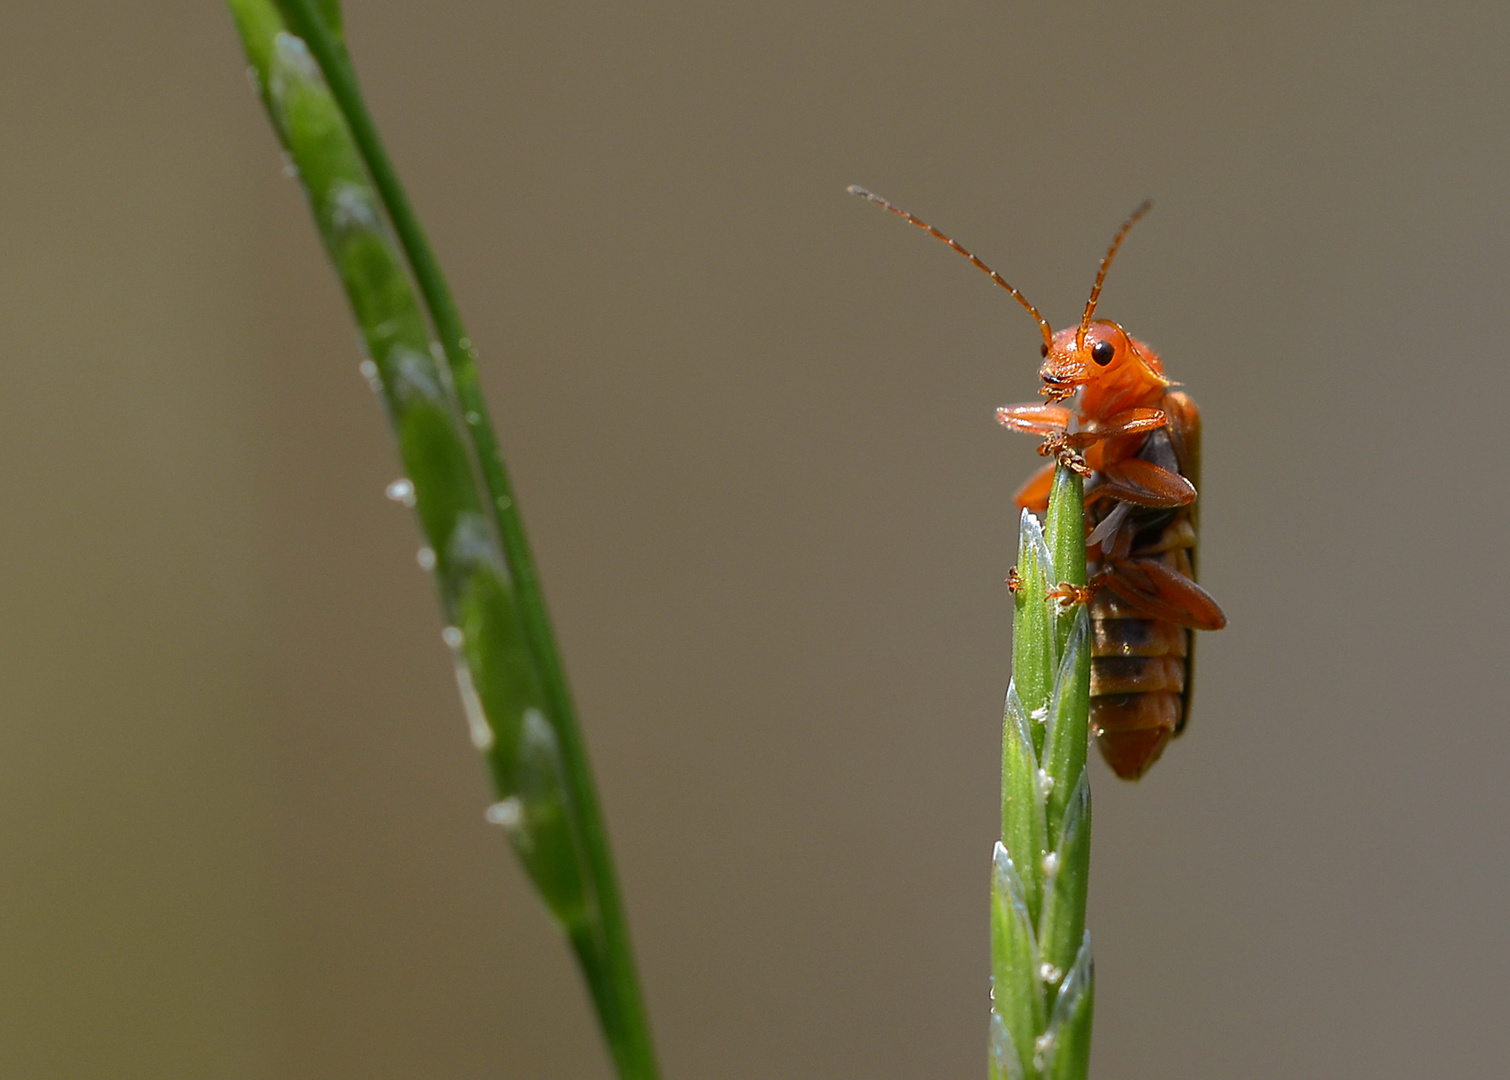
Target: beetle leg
[
  {"x": 1033, "y": 418},
  {"x": 1157, "y": 589},
  {"x": 1143, "y": 483},
  {"x": 1058, "y": 445},
  {"x": 1069, "y": 594},
  {"x": 1127, "y": 422}
]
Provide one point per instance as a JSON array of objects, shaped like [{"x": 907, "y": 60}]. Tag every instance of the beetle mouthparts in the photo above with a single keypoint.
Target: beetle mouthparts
[{"x": 1055, "y": 392}]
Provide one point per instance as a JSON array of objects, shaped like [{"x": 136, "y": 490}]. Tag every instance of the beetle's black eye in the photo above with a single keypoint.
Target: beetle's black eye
[
  {"x": 1043, "y": 350},
  {"x": 1102, "y": 352}
]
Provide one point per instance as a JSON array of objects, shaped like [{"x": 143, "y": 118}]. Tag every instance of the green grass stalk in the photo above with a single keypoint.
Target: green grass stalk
[
  {"x": 1043, "y": 992},
  {"x": 423, "y": 366}
]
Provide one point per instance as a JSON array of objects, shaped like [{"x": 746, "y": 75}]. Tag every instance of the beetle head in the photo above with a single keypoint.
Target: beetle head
[{"x": 1102, "y": 352}]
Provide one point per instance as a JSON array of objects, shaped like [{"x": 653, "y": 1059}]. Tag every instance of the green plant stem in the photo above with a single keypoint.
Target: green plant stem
[
  {"x": 493, "y": 600},
  {"x": 1042, "y": 976}
]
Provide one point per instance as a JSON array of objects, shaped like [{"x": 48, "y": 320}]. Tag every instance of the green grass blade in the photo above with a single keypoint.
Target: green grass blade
[
  {"x": 1066, "y": 1046},
  {"x": 510, "y": 674},
  {"x": 1062, "y": 924},
  {"x": 1042, "y": 865},
  {"x": 1033, "y": 651},
  {"x": 1064, "y": 532},
  {"x": 1004, "y": 1062},
  {"x": 1019, "y": 1000},
  {"x": 1069, "y": 721},
  {"x": 1023, "y": 830},
  {"x": 330, "y": 11}
]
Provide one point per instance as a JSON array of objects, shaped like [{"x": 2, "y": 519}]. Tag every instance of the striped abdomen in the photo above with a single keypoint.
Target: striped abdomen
[{"x": 1139, "y": 666}]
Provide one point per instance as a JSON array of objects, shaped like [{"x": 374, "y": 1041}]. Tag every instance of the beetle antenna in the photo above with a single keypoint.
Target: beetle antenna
[
  {"x": 1090, "y": 305},
  {"x": 1043, "y": 324}
]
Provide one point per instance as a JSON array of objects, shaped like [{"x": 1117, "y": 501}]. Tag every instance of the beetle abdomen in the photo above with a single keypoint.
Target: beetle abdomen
[
  {"x": 1137, "y": 680},
  {"x": 1139, "y": 664}
]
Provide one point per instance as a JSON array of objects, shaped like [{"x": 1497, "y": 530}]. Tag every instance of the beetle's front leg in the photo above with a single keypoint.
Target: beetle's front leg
[
  {"x": 1060, "y": 446},
  {"x": 1034, "y": 419}
]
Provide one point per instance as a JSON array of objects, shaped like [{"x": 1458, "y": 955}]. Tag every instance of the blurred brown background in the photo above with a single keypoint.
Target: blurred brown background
[{"x": 750, "y": 420}]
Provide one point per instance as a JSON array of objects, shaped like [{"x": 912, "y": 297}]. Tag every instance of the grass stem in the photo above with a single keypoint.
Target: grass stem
[
  {"x": 509, "y": 669},
  {"x": 1042, "y": 976}
]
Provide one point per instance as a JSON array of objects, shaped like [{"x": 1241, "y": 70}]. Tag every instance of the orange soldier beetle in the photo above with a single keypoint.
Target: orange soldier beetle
[{"x": 1141, "y": 443}]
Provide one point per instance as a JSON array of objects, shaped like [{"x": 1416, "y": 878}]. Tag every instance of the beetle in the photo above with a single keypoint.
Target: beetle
[{"x": 1137, "y": 441}]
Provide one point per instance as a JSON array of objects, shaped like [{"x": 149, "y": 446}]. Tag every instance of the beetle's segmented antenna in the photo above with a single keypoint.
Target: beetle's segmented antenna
[
  {"x": 1043, "y": 324},
  {"x": 1090, "y": 305}
]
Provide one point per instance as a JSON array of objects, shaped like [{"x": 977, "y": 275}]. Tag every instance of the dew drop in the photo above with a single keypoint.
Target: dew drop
[
  {"x": 453, "y": 636},
  {"x": 1051, "y": 864},
  {"x": 425, "y": 556},
  {"x": 401, "y": 491},
  {"x": 477, "y": 721},
  {"x": 504, "y": 502},
  {"x": 508, "y": 813},
  {"x": 1045, "y": 783},
  {"x": 1049, "y": 973},
  {"x": 369, "y": 372},
  {"x": 473, "y": 418}
]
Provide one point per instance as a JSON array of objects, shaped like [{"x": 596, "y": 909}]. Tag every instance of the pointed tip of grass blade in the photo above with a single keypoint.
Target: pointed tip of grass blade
[
  {"x": 1008, "y": 883},
  {"x": 1033, "y": 629},
  {"x": 1061, "y": 926},
  {"x": 542, "y": 830},
  {"x": 1023, "y": 829},
  {"x": 1066, "y": 675},
  {"x": 1068, "y": 732},
  {"x": 1076, "y": 984},
  {"x": 1077, "y": 810},
  {"x": 1063, "y": 1053},
  {"x": 1006, "y": 1063},
  {"x": 1032, "y": 545},
  {"x": 1017, "y": 993},
  {"x": 1019, "y": 724}
]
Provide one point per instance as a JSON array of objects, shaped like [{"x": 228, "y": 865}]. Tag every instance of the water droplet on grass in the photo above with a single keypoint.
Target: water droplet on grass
[
  {"x": 401, "y": 491},
  {"x": 508, "y": 813},
  {"x": 477, "y": 721}
]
